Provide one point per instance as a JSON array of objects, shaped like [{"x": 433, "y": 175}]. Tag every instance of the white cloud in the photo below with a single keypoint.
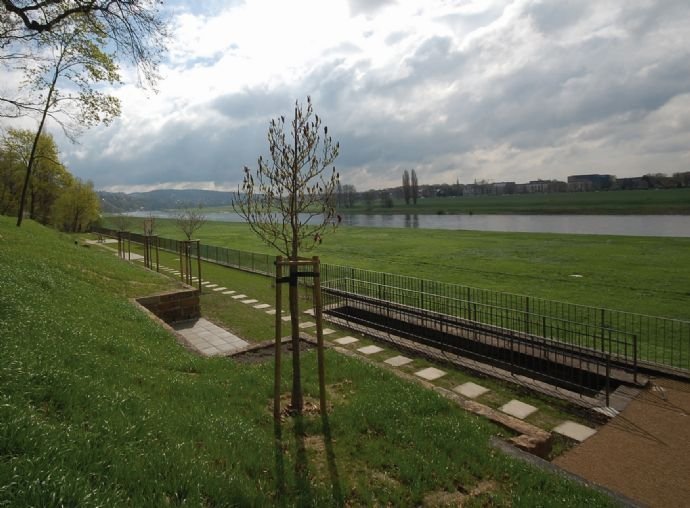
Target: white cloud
[{"x": 502, "y": 90}]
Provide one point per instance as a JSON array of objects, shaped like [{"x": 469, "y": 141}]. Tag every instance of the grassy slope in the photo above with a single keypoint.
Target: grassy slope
[
  {"x": 100, "y": 406},
  {"x": 647, "y": 275}
]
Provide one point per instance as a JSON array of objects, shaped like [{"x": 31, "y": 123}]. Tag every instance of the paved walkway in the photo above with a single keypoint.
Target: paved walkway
[
  {"x": 644, "y": 452},
  {"x": 209, "y": 339}
]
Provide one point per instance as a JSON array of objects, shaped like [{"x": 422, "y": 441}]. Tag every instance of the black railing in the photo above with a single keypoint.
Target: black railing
[{"x": 654, "y": 341}]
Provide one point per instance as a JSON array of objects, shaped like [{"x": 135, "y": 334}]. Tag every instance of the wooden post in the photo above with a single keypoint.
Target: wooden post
[
  {"x": 278, "y": 344},
  {"x": 318, "y": 313},
  {"x": 198, "y": 263}
]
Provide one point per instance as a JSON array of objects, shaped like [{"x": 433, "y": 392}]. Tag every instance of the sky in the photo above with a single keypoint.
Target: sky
[{"x": 457, "y": 90}]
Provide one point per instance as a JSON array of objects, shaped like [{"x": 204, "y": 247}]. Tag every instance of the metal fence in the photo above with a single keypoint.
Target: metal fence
[{"x": 653, "y": 341}]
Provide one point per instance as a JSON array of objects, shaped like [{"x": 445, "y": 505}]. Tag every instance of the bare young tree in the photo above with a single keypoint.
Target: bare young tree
[
  {"x": 288, "y": 201},
  {"x": 189, "y": 221}
]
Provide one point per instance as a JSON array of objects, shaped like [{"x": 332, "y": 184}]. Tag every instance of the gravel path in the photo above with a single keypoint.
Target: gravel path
[{"x": 643, "y": 453}]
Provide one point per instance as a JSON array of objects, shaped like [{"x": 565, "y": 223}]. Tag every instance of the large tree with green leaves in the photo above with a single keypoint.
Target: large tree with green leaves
[
  {"x": 50, "y": 176},
  {"x": 77, "y": 207},
  {"x": 67, "y": 78},
  {"x": 288, "y": 201}
]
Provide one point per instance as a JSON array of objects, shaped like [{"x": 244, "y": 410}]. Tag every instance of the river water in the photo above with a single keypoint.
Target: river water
[{"x": 631, "y": 225}]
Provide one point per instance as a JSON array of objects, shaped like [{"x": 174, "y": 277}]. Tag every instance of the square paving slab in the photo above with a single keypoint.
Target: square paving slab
[
  {"x": 397, "y": 361},
  {"x": 286, "y": 318},
  {"x": 272, "y": 312},
  {"x": 518, "y": 409},
  {"x": 212, "y": 286},
  {"x": 205, "y": 283},
  {"x": 262, "y": 306},
  {"x": 219, "y": 289},
  {"x": 575, "y": 431},
  {"x": 310, "y": 312},
  {"x": 430, "y": 373},
  {"x": 307, "y": 324},
  {"x": 370, "y": 350},
  {"x": 228, "y": 292},
  {"x": 470, "y": 390},
  {"x": 237, "y": 297},
  {"x": 327, "y": 331},
  {"x": 251, "y": 300},
  {"x": 346, "y": 340}
]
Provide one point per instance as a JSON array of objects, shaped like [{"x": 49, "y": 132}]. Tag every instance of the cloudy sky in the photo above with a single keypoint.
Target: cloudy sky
[{"x": 458, "y": 90}]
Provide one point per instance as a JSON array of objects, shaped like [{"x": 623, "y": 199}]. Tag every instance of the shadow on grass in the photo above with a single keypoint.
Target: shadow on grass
[
  {"x": 337, "y": 490},
  {"x": 302, "y": 484}
]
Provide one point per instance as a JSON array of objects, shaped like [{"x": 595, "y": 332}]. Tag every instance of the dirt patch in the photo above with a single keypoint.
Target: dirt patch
[
  {"x": 265, "y": 352},
  {"x": 458, "y": 498},
  {"x": 644, "y": 452}
]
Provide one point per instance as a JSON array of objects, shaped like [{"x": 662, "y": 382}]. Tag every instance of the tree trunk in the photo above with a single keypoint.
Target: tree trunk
[
  {"x": 32, "y": 157},
  {"x": 297, "y": 402}
]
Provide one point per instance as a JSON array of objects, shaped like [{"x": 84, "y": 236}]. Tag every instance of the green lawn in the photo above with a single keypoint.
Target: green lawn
[
  {"x": 668, "y": 201},
  {"x": 99, "y": 406},
  {"x": 647, "y": 275}
]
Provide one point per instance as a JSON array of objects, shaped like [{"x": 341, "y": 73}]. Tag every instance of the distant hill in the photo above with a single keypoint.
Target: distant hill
[{"x": 162, "y": 199}]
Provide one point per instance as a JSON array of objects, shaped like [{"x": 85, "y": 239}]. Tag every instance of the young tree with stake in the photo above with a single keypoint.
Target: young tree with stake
[{"x": 288, "y": 201}]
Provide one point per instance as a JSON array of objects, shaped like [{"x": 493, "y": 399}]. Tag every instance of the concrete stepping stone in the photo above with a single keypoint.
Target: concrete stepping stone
[
  {"x": 262, "y": 306},
  {"x": 346, "y": 340},
  {"x": 251, "y": 300},
  {"x": 574, "y": 430},
  {"x": 220, "y": 288},
  {"x": 470, "y": 390},
  {"x": 212, "y": 286},
  {"x": 286, "y": 318},
  {"x": 430, "y": 373},
  {"x": 327, "y": 331},
  {"x": 518, "y": 409},
  {"x": 237, "y": 297},
  {"x": 228, "y": 292},
  {"x": 272, "y": 312},
  {"x": 397, "y": 361},
  {"x": 370, "y": 350},
  {"x": 205, "y": 283},
  {"x": 309, "y": 311},
  {"x": 307, "y": 324}
]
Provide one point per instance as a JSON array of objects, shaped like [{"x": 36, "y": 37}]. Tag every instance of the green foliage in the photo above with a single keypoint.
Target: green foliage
[
  {"x": 77, "y": 207},
  {"x": 50, "y": 177},
  {"x": 100, "y": 406}
]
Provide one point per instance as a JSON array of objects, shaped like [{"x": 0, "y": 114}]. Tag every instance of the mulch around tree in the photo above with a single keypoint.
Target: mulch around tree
[{"x": 644, "y": 452}]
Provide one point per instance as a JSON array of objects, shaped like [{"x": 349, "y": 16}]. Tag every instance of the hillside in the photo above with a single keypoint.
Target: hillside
[
  {"x": 162, "y": 199},
  {"x": 100, "y": 406}
]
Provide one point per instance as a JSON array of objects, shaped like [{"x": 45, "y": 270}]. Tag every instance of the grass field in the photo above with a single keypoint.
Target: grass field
[
  {"x": 647, "y": 275},
  {"x": 99, "y": 406},
  {"x": 668, "y": 201},
  {"x": 653, "y": 201}
]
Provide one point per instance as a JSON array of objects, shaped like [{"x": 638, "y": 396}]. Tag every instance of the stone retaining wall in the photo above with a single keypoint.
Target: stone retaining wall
[{"x": 174, "y": 306}]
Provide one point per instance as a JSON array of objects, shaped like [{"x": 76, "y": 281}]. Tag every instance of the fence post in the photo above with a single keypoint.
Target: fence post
[
  {"x": 608, "y": 378},
  {"x": 527, "y": 314},
  {"x": 635, "y": 358}
]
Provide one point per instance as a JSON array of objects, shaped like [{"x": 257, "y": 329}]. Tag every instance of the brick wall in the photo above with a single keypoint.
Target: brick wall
[{"x": 174, "y": 306}]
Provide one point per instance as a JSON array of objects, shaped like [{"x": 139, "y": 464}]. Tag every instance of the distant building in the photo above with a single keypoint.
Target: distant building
[
  {"x": 591, "y": 182},
  {"x": 633, "y": 183}
]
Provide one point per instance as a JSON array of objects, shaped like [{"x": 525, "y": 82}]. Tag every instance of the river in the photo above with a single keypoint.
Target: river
[{"x": 629, "y": 225}]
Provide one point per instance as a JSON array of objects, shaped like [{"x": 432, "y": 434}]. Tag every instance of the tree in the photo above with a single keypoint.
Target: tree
[
  {"x": 50, "y": 175},
  {"x": 77, "y": 207},
  {"x": 406, "y": 187},
  {"x": 189, "y": 221},
  {"x": 288, "y": 202},
  {"x": 78, "y": 60},
  {"x": 133, "y": 29},
  {"x": 349, "y": 195},
  {"x": 414, "y": 186}
]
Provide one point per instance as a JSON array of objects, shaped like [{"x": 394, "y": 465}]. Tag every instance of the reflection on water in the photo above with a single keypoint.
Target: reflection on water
[{"x": 632, "y": 225}]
